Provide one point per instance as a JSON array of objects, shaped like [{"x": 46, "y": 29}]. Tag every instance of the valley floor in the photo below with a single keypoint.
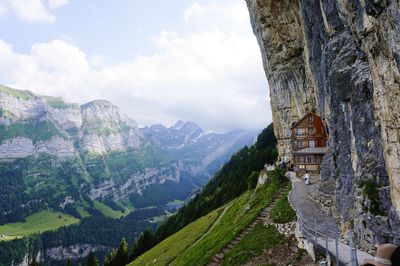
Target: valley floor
[{"x": 36, "y": 223}]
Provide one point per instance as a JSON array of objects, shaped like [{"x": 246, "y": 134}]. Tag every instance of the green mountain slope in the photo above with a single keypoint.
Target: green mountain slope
[
  {"x": 230, "y": 182},
  {"x": 237, "y": 215},
  {"x": 234, "y": 179}
]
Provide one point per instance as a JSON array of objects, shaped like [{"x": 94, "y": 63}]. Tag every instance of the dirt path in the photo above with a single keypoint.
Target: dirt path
[{"x": 212, "y": 227}]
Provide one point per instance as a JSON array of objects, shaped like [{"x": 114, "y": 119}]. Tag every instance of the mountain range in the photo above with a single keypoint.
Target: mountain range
[{"x": 74, "y": 158}]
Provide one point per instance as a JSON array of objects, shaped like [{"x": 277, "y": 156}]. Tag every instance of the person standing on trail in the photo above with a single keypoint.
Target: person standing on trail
[{"x": 307, "y": 178}]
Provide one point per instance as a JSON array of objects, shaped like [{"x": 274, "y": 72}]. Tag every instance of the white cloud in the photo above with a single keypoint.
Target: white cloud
[
  {"x": 220, "y": 16},
  {"x": 198, "y": 10},
  {"x": 59, "y": 56},
  {"x": 3, "y": 8},
  {"x": 32, "y": 10},
  {"x": 54, "y": 4},
  {"x": 212, "y": 76}
]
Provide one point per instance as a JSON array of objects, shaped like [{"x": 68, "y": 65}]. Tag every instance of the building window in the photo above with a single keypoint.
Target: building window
[
  {"x": 301, "y": 158},
  {"x": 310, "y": 159},
  {"x": 302, "y": 166},
  {"x": 299, "y": 131},
  {"x": 300, "y": 144},
  {"x": 310, "y": 130},
  {"x": 311, "y": 143},
  {"x": 310, "y": 119}
]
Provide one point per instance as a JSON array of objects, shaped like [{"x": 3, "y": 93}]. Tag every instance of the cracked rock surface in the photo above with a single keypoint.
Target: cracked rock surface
[{"x": 341, "y": 59}]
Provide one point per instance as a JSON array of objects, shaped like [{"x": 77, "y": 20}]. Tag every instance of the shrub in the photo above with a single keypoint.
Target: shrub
[{"x": 252, "y": 180}]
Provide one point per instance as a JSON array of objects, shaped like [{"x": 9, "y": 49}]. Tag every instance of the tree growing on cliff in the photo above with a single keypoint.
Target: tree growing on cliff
[
  {"x": 92, "y": 260},
  {"x": 34, "y": 263}
]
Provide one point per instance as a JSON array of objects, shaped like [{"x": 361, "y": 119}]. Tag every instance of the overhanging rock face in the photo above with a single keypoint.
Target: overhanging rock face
[{"x": 341, "y": 58}]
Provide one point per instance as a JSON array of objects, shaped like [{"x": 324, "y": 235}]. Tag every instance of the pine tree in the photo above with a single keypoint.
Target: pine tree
[
  {"x": 34, "y": 263},
  {"x": 109, "y": 259},
  {"x": 119, "y": 256},
  {"x": 69, "y": 262},
  {"x": 122, "y": 256},
  {"x": 92, "y": 260},
  {"x": 143, "y": 243}
]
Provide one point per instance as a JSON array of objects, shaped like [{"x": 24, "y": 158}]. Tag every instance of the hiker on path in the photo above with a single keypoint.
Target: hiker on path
[{"x": 307, "y": 178}]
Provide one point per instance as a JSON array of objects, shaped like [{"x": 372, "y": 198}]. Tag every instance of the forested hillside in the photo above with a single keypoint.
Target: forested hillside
[
  {"x": 235, "y": 177},
  {"x": 99, "y": 233},
  {"x": 230, "y": 182}
]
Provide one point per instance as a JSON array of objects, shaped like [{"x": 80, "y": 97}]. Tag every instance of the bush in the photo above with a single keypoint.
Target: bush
[
  {"x": 372, "y": 193},
  {"x": 252, "y": 180},
  {"x": 278, "y": 175}
]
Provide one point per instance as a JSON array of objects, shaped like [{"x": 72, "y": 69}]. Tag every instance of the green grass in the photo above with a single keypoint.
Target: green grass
[
  {"x": 38, "y": 222},
  {"x": 38, "y": 131},
  {"x": 371, "y": 191},
  {"x": 282, "y": 212},
  {"x": 107, "y": 211},
  {"x": 159, "y": 219},
  {"x": 56, "y": 102},
  {"x": 171, "y": 247},
  {"x": 8, "y": 238},
  {"x": 125, "y": 204},
  {"x": 6, "y": 113},
  {"x": 176, "y": 202},
  {"x": 105, "y": 127},
  {"x": 82, "y": 212},
  {"x": 252, "y": 245},
  {"x": 24, "y": 95},
  {"x": 241, "y": 213}
]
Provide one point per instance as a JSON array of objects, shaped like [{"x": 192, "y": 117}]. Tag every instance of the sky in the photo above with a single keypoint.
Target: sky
[{"x": 159, "y": 61}]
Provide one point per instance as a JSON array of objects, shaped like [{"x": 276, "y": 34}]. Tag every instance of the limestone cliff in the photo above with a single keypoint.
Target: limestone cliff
[
  {"x": 32, "y": 124},
  {"x": 341, "y": 58},
  {"x": 62, "y": 156}
]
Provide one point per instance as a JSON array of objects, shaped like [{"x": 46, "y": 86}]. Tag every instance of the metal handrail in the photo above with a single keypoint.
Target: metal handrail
[{"x": 313, "y": 231}]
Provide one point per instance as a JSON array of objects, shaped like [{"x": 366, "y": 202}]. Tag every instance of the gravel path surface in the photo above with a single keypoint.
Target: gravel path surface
[{"x": 303, "y": 203}]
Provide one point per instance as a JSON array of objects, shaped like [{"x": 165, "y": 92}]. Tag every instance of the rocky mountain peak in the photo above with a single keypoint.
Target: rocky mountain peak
[{"x": 98, "y": 104}]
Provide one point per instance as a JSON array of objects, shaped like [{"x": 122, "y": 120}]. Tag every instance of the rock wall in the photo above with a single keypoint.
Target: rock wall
[
  {"x": 96, "y": 127},
  {"x": 341, "y": 58}
]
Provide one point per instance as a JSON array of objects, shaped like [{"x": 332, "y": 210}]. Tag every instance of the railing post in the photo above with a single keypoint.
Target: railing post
[
  {"x": 337, "y": 247},
  {"x": 326, "y": 241},
  {"x": 315, "y": 230},
  {"x": 353, "y": 250}
]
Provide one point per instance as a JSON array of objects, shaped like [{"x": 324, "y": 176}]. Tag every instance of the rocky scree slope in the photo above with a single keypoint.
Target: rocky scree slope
[
  {"x": 64, "y": 156},
  {"x": 341, "y": 59}
]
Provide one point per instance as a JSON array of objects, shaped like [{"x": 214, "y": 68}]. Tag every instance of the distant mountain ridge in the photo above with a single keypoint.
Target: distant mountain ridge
[
  {"x": 41, "y": 124},
  {"x": 71, "y": 156}
]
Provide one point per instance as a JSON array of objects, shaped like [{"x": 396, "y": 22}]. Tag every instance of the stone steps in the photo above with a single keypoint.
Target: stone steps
[{"x": 262, "y": 217}]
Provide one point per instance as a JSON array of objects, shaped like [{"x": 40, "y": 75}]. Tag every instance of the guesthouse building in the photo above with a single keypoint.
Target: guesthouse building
[{"x": 309, "y": 140}]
